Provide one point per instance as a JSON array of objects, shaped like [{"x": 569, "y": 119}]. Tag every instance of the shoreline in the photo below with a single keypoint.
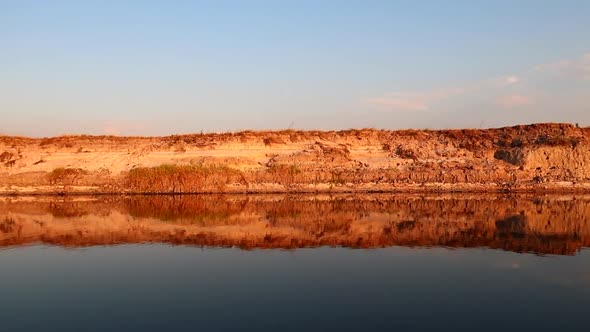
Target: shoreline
[{"x": 583, "y": 188}]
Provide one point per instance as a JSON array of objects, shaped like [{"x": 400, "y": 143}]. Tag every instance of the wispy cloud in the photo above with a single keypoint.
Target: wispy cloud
[
  {"x": 400, "y": 102},
  {"x": 111, "y": 130},
  {"x": 579, "y": 67},
  {"x": 118, "y": 128},
  {"x": 508, "y": 80},
  {"x": 515, "y": 90},
  {"x": 515, "y": 100},
  {"x": 414, "y": 101}
]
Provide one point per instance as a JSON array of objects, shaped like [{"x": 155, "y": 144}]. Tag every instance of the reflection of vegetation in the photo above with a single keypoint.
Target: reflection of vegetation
[
  {"x": 513, "y": 226},
  {"x": 406, "y": 225},
  {"x": 7, "y": 225},
  {"x": 66, "y": 209},
  {"x": 181, "y": 210}
]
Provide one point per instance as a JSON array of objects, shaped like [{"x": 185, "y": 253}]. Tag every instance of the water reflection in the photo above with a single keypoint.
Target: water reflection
[{"x": 546, "y": 225}]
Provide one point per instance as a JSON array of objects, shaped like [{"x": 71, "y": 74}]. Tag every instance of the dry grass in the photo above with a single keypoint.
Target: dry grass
[
  {"x": 468, "y": 138},
  {"x": 268, "y": 141},
  {"x": 181, "y": 178}
]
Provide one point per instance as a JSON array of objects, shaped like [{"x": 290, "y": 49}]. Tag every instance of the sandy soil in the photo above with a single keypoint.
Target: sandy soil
[{"x": 541, "y": 157}]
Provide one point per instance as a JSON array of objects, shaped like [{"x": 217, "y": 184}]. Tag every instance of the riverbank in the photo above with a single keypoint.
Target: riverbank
[{"x": 531, "y": 158}]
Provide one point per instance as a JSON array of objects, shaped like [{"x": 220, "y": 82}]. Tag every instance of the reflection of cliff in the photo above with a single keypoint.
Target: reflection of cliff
[{"x": 548, "y": 224}]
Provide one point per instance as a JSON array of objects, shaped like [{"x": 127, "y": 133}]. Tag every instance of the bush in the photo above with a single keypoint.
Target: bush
[
  {"x": 65, "y": 176},
  {"x": 511, "y": 156},
  {"x": 181, "y": 178},
  {"x": 405, "y": 153},
  {"x": 557, "y": 141}
]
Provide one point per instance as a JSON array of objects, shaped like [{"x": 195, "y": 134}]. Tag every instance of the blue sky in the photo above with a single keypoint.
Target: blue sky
[{"x": 164, "y": 67}]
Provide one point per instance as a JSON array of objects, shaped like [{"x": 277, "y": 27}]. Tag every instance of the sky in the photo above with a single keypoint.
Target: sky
[{"x": 172, "y": 67}]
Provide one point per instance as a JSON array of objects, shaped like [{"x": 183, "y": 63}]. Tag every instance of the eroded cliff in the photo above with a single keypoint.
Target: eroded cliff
[{"x": 538, "y": 157}]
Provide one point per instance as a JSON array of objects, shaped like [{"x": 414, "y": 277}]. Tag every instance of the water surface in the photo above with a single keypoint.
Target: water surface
[{"x": 373, "y": 262}]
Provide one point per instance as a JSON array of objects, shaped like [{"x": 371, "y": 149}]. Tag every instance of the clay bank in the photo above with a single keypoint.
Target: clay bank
[{"x": 538, "y": 157}]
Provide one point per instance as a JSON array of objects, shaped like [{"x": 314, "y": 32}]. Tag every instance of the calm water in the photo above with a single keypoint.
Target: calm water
[{"x": 375, "y": 262}]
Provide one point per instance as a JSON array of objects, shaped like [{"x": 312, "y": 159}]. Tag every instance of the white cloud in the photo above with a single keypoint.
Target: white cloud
[
  {"x": 509, "y": 80},
  {"x": 515, "y": 100}
]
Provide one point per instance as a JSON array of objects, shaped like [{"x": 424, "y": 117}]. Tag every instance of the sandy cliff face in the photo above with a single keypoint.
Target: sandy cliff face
[
  {"x": 533, "y": 157},
  {"x": 548, "y": 225}
]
